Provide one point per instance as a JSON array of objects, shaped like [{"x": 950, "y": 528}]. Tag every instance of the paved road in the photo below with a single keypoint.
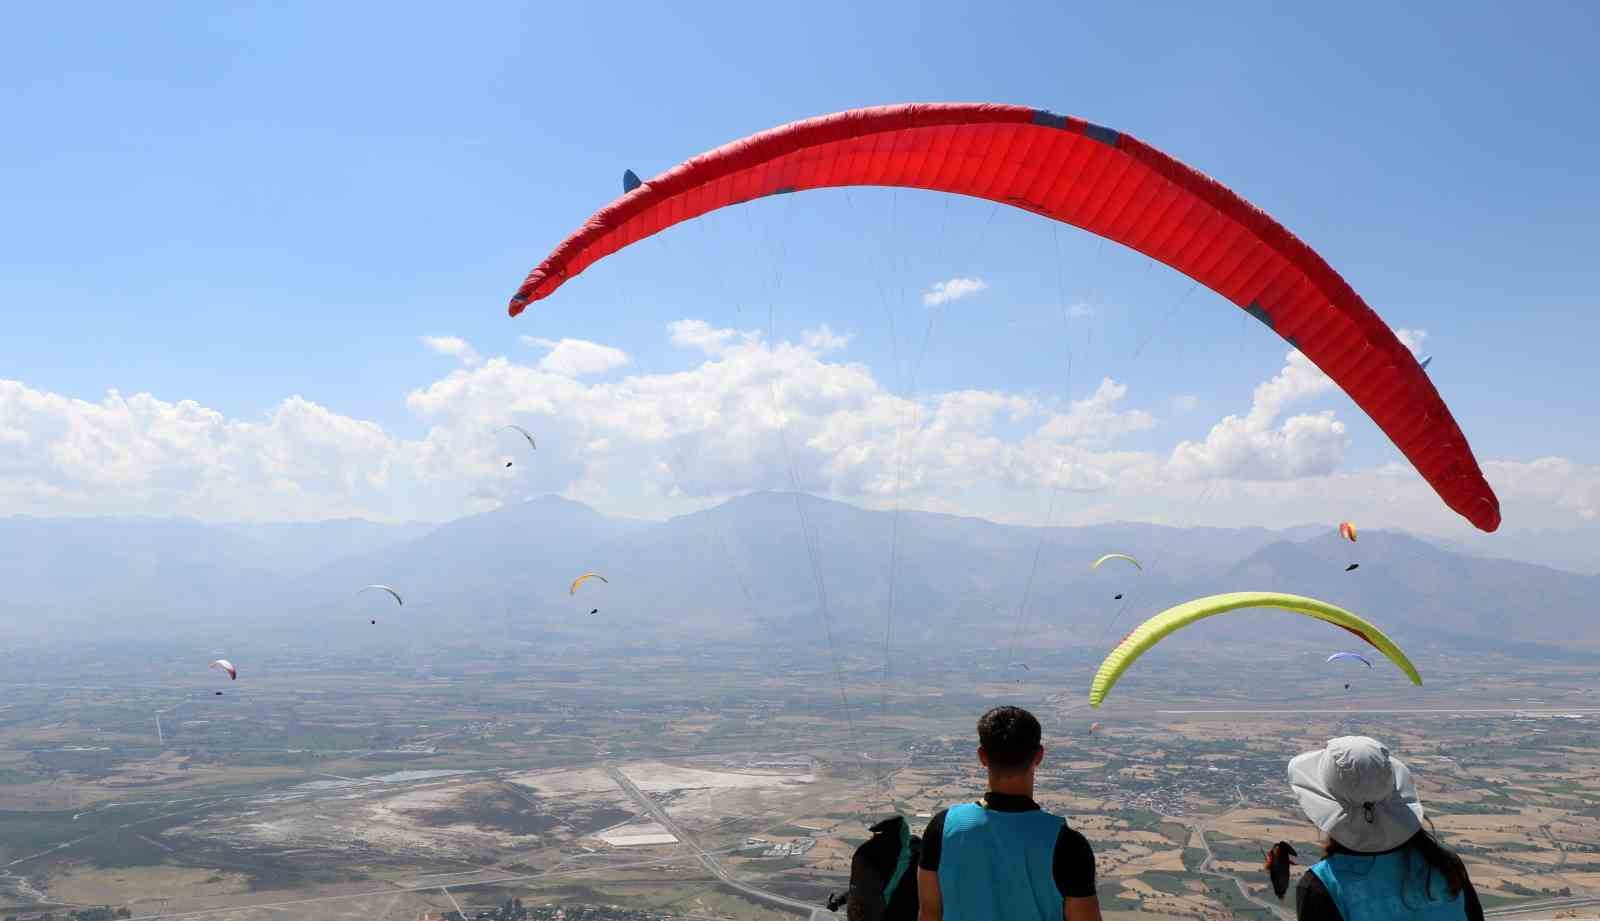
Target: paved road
[
  {"x": 1209, "y": 867},
  {"x": 1538, "y": 911},
  {"x": 707, "y": 860}
]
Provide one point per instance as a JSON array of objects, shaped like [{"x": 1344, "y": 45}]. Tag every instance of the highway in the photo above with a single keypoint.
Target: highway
[
  {"x": 1547, "y": 908},
  {"x": 708, "y": 860},
  {"x": 1209, "y": 867}
]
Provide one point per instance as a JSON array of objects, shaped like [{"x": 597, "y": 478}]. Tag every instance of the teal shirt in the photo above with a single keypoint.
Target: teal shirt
[
  {"x": 1388, "y": 887},
  {"x": 998, "y": 866}
]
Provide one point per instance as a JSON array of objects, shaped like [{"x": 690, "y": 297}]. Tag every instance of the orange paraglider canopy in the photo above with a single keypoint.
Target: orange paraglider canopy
[{"x": 1102, "y": 180}]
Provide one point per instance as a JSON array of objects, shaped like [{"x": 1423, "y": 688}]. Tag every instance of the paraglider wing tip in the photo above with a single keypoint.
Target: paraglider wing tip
[
  {"x": 1488, "y": 521},
  {"x": 630, "y": 181}
]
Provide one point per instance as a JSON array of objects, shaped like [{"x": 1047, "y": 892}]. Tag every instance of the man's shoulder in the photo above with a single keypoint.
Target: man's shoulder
[
  {"x": 958, "y": 816},
  {"x": 1071, "y": 837}
]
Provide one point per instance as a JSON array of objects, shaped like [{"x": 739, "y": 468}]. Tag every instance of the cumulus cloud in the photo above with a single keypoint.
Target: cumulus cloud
[
  {"x": 1548, "y": 481},
  {"x": 720, "y": 427},
  {"x": 577, "y": 357},
  {"x": 455, "y": 347},
  {"x": 142, "y": 455},
  {"x": 954, "y": 289},
  {"x": 1257, "y": 447},
  {"x": 824, "y": 339},
  {"x": 1097, "y": 418},
  {"x": 740, "y": 414},
  {"x": 698, "y": 334}
]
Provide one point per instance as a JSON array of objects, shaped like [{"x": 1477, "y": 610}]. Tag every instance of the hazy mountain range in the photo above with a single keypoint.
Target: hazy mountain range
[{"x": 746, "y": 569}]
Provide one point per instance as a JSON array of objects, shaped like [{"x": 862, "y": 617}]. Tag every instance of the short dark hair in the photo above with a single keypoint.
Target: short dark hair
[{"x": 1009, "y": 736}]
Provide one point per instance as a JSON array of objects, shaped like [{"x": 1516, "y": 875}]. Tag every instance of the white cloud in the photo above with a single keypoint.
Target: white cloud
[
  {"x": 698, "y": 334},
  {"x": 455, "y": 347},
  {"x": 1412, "y": 339},
  {"x": 954, "y": 289},
  {"x": 577, "y": 357},
  {"x": 663, "y": 443},
  {"x": 1256, "y": 447},
  {"x": 824, "y": 339},
  {"x": 141, "y": 455},
  {"x": 1096, "y": 417},
  {"x": 1550, "y": 481}
]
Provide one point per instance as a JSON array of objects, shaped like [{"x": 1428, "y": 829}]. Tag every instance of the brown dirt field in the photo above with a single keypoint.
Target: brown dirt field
[{"x": 89, "y": 886}]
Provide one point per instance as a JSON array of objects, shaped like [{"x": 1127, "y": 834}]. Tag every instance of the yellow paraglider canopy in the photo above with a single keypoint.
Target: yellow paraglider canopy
[
  {"x": 1152, "y": 631},
  {"x": 1116, "y": 556},
  {"x": 583, "y": 578}
]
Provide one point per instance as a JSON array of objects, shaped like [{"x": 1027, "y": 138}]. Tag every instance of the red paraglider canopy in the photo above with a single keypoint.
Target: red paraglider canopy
[{"x": 1106, "y": 182}]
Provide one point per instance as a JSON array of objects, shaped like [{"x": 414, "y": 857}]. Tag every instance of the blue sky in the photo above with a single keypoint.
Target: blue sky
[{"x": 233, "y": 204}]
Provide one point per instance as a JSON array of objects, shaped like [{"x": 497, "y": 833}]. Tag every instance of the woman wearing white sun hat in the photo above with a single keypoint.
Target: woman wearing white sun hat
[{"x": 1379, "y": 863}]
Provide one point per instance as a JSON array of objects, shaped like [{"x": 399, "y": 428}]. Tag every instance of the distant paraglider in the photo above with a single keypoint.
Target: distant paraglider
[
  {"x": 1116, "y": 556},
  {"x": 1145, "y": 636},
  {"x": 384, "y": 588},
  {"x": 1350, "y": 655},
  {"x": 224, "y": 665},
  {"x": 584, "y": 578},
  {"x": 1347, "y": 530},
  {"x": 520, "y": 430}
]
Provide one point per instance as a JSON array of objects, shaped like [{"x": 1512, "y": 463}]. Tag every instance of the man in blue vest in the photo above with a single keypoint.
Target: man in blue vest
[{"x": 1003, "y": 858}]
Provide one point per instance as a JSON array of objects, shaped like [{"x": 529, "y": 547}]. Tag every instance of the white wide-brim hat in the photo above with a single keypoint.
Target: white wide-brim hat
[{"x": 1357, "y": 793}]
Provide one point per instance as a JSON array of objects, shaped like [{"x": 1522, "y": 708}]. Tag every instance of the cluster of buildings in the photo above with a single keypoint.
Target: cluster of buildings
[{"x": 764, "y": 848}]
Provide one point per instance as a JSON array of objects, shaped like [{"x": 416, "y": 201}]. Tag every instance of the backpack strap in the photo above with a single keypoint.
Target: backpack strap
[{"x": 901, "y": 863}]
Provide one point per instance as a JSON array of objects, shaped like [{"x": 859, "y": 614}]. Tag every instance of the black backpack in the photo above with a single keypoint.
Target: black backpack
[{"x": 883, "y": 875}]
